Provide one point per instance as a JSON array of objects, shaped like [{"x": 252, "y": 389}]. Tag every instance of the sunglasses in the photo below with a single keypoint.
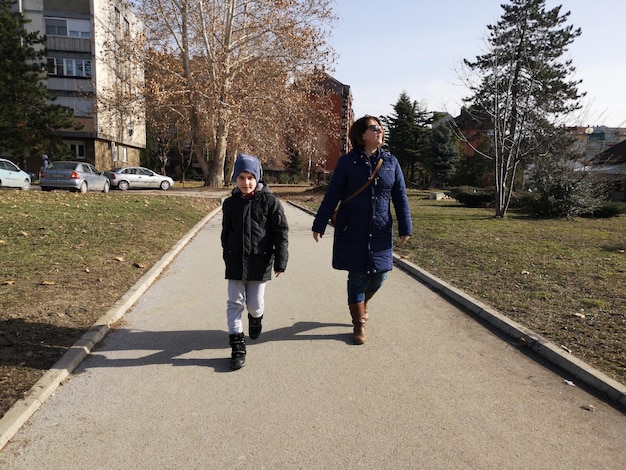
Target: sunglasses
[{"x": 375, "y": 128}]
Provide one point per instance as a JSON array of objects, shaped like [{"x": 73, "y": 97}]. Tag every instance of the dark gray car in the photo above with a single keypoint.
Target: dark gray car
[{"x": 75, "y": 176}]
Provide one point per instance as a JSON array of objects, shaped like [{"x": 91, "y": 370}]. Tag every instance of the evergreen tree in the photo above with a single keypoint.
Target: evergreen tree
[
  {"x": 443, "y": 156},
  {"x": 523, "y": 86},
  {"x": 407, "y": 133},
  {"x": 28, "y": 119}
]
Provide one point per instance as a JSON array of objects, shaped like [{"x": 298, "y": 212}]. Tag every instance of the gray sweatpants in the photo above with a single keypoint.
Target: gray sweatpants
[{"x": 240, "y": 294}]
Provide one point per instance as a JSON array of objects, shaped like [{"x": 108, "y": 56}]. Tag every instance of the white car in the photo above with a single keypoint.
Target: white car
[
  {"x": 12, "y": 177},
  {"x": 137, "y": 177}
]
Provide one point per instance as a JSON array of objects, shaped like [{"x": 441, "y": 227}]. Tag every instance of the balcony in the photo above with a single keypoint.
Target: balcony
[{"x": 68, "y": 44}]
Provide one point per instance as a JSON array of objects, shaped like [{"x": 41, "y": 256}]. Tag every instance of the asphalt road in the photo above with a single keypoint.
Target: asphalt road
[{"x": 432, "y": 388}]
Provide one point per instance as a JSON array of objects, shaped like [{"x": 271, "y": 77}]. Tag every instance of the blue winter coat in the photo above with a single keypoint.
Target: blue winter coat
[{"x": 363, "y": 240}]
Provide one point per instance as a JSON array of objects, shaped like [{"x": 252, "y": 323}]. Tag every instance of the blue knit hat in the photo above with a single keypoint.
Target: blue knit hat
[{"x": 248, "y": 163}]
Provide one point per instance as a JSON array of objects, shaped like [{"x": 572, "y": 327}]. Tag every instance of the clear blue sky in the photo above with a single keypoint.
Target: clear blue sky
[{"x": 386, "y": 47}]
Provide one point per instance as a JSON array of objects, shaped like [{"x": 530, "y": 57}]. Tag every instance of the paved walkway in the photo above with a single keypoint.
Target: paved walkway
[{"x": 431, "y": 388}]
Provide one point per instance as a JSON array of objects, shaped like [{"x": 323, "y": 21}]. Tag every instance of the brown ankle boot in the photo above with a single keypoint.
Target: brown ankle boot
[
  {"x": 358, "y": 320},
  {"x": 368, "y": 296}
]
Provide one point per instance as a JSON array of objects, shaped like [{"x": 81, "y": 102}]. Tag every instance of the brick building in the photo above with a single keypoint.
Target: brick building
[{"x": 338, "y": 144}]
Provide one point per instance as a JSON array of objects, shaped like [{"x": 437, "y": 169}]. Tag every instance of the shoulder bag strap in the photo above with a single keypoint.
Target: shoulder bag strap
[{"x": 367, "y": 183}]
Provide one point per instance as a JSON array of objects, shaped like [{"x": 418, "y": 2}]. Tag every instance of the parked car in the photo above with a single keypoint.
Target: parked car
[
  {"x": 75, "y": 176},
  {"x": 12, "y": 177},
  {"x": 137, "y": 177}
]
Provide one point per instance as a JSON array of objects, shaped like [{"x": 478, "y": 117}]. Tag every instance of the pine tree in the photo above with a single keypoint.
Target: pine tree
[
  {"x": 443, "y": 155},
  {"x": 407, "y": 133},
  {"x": 524, "y": 86},
  {"x": 28, "y": 118}
]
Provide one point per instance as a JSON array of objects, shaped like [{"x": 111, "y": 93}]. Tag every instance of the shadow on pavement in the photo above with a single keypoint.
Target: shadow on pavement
[{"x": 171, "y": 347}]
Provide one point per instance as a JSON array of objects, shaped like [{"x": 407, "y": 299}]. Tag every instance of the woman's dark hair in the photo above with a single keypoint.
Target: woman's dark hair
[{"x": 358, "y": 129}]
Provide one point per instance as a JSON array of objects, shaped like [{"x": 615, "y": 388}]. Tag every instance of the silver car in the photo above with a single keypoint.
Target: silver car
[
  {"x": 12, "y": 177},
  {"x": 137, "y": 177},
  {"x": 75, "y": 176}
]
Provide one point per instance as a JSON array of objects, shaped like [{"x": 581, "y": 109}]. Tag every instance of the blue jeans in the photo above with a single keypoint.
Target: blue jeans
[{"x": 358, "y": 283}]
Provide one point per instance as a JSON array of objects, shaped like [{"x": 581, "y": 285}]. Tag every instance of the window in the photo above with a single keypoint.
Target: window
[
  {"x": 124, "y": 154},
  {"x": 69, "y": 67},
  {"x": 78, "y": 150},
  {"x": 68, "y": 27},
  {"x": 83, "y": 68},
  {"x": 56, "y": 27},
  {"x": 52, "y": 66},
  {"x": 80, "y": 34}
]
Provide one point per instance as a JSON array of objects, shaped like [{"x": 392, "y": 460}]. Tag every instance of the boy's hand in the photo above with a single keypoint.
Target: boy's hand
[
  {"x": 317, "y": 235},
  {"x": 277, "y": 273}
]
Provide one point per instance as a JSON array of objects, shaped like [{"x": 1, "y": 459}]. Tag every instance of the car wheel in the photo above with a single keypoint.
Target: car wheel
[
  {"x": 83, "y": 187},
  {"x": 123, "y": 185},
  {"x": 26, "y": 185},
  {"x": 165, "y": 185},
  {"x": 106, "y": 187}
]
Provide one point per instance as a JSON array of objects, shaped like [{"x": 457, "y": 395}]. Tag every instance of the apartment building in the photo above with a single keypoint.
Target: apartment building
[{"x": 90, "y": 70}]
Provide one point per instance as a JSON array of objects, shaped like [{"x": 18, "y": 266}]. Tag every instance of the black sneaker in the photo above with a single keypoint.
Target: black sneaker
[{"x": 254, "y": 326}]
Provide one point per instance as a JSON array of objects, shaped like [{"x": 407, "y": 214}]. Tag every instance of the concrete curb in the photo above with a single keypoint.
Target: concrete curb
[
  {"x": 543, "y": 347},
  {"x": 24, "y": 408},
  {"x": 582, "y": 371}
]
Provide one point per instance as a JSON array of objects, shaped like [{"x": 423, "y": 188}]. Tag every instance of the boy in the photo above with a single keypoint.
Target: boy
[{"x": 254, "y": 238}]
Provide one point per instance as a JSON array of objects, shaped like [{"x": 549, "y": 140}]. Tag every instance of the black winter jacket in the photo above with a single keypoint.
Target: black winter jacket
[{"x": 254, "y": 235}]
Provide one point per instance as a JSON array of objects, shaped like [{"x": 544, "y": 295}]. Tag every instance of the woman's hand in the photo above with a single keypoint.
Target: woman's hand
[
  {"x": 317, "y": 235},
  {"x": 404, "y": 238}
]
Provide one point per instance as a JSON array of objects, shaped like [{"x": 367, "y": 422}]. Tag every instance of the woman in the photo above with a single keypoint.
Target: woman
[{"x": 363, "y": 239}]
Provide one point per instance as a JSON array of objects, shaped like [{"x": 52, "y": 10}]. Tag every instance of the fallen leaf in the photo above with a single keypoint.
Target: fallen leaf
[
  {"x": 24, "y": 234},
  {"x": 566, "y": 349},
  {"x": 589, "y": 408},
  {"x": 526, "y": 272},
  {"x": 2, "y": 242},
  {"x": 569, "y": 382},
  {"x": 521, "y": 341},
  {"x": 119, "y": 258},
  {"x": 47, "y": 283},
  {"x": 139, "y": 265},
  {"x": 87, "y": 270},
  {"x": 7, "y": 283},
  {"x": 580, "y": 315}
]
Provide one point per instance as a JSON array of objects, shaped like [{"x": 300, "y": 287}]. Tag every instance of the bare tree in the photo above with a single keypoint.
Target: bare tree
[{"x": 231, "y": 69}]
